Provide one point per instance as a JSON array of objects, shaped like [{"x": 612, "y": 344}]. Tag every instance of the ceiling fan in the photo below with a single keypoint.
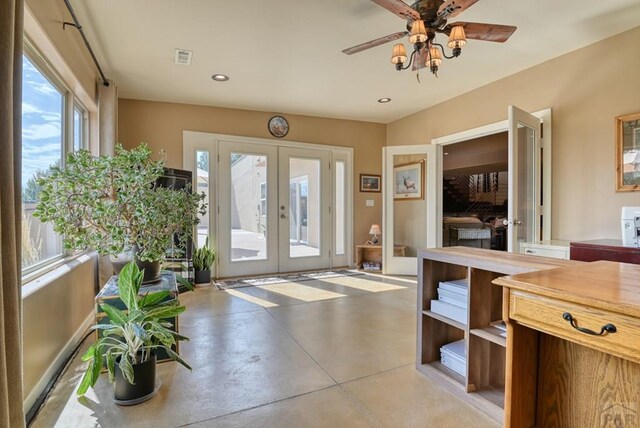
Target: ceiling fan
[{"x": 426, "y": 18}]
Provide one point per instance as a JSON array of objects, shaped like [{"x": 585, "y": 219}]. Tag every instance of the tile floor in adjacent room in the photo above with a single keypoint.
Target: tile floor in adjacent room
[{"x": 337, "y": 352}]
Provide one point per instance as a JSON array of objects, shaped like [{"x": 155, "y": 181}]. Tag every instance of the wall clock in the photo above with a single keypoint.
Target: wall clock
[{"x": 278, "y": 126}]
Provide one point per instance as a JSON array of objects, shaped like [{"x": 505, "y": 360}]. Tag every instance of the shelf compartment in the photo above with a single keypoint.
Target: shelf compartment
[
  {"x": 486, "y": 365},
  {"x": 491, "y": 334},
  {"x": 446, "y": 320},
  {"x": 444, "y": 372},
  {"x": 485, "y": 298},
  {"x": 439, "y": 333}
]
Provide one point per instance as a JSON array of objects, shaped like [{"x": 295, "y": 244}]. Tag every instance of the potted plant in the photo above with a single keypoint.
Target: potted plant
[
  {"x": 203, "y": 259},
  {"x": 112, "y": 204},
  {"x": 131, "y": 338}
]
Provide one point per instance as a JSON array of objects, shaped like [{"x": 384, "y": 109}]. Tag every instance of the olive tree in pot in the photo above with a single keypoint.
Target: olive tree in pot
[
  {"x": 112, "y": 204},
  {"x": 203, "y": 259},
  {"x": 130, "y": 339}
]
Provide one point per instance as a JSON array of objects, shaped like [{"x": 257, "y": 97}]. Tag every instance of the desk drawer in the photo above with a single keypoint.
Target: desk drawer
[{"x": 547, "y": 315}]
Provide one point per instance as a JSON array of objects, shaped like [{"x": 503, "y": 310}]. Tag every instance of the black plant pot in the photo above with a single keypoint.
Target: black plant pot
[
  {"x": 144, "y": 376},
  {"x": 203, "y": 276},
  {"x": 151, "y": 269}
]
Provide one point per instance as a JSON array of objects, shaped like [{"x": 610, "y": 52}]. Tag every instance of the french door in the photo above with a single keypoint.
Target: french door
[
  {"x": 524, "y": 207},
  {"x": 274, "y": 209}
]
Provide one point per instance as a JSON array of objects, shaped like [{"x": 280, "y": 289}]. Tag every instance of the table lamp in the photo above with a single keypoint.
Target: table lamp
[{"x": 375, "y": 231}]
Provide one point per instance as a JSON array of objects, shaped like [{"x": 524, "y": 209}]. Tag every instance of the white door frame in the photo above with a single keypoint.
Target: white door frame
[
  {"x": 494, "y": 128},
  {"x": 407, "y": 265},
  {"x": 193, "y": 141}
]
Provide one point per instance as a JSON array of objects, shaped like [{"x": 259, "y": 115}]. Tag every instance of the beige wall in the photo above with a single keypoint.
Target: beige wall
[
  {"x": 161, "y": 124},
  {"x": 586, "y": 88},
  {"x": 55, "y": 308}
]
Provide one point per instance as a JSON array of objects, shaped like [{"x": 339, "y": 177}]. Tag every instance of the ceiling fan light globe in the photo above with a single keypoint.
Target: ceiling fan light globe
[
  {"x": 457, "y": 38},
  {"x": 418, "y": 32},
  {"x": 434, "y": 59},
  {"x": 399, "y": 55}
]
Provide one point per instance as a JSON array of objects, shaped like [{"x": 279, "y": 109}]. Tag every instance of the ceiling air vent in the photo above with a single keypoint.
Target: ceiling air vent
[{"x": 183, "y": 57}]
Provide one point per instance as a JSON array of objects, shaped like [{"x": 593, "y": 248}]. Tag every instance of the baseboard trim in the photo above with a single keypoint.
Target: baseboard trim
[{"x": 58, "y": 363}]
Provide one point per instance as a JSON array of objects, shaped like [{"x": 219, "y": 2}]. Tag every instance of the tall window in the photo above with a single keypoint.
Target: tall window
[{"x": 43, "y": 106}]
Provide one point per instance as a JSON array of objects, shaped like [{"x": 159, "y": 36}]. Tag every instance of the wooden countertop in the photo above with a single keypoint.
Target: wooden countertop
[
  {"x": 603, "y": 284},
  {"x": 493, "y": 260}
]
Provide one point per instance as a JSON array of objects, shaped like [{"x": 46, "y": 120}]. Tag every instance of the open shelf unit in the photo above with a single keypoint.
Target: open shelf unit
[{"x": 484, "y": 383}]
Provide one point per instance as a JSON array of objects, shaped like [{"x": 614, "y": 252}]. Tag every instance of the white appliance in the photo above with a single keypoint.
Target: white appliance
[{"x": 631, "y": 226}]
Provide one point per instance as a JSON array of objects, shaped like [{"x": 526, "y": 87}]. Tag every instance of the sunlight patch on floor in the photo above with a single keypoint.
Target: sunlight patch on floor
[
  {"x": 390, "y": 277},
  {"x": 371, "y": 286},
  {"x": 301, "y": 292},
  {"x": 252, "y": 299}
]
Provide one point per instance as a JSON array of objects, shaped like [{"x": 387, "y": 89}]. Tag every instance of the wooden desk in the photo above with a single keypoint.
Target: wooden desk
[
  {"x": 604, "y": 249},
  {"x": 373, "y": 253},
  {"x": 559, "y": 376}
]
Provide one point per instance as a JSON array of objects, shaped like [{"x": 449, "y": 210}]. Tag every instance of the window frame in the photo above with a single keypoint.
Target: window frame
[{"x": 69, "y": 103}]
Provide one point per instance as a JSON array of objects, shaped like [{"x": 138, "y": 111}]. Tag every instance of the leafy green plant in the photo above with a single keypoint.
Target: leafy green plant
[
  {"x": 203, "y": 257},
  {"x": 132, "y": 335},
  {"x": 112, "y": 204}
]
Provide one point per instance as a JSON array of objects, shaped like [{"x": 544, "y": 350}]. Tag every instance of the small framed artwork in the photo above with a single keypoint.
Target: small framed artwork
[
  {"x": 278, "y": 126},
  {"x": 370, "y": 183},
  {"x": 408, "y": 181}
]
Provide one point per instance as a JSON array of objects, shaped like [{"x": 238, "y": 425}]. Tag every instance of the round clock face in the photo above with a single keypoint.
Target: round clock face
[{"x": 278, "y": 126}]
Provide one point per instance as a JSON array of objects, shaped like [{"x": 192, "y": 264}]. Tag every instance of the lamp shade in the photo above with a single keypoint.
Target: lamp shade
[
  {"x": 435, "y": 59},
  {"x": 375, "y": 230},
  {"x": 399, "y": 55},
  {"x": 418, "y": 32},
  {"x": 457, "y": 38}
]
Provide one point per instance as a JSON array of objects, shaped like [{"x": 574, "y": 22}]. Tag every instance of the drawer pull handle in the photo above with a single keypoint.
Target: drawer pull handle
[{"x": 607, "y": 328}]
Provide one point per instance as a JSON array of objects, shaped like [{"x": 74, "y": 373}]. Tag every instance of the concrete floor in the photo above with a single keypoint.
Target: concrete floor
[{"x": 336, "y": 352}]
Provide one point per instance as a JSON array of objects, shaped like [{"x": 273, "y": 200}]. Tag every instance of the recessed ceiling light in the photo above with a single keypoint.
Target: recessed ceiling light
[
  {"x": 220, "y": 77},
  {"x": 384, "y": 100}
]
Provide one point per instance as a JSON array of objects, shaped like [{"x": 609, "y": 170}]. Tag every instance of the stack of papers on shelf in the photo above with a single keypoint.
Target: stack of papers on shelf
[
  {"x": 500, "y": 325},
  {"x": 454, "y": 356},
  {"x": 454, "y": 292},
  {"x": 452, "y": 300},
  {"x": 371, "y": 266}
]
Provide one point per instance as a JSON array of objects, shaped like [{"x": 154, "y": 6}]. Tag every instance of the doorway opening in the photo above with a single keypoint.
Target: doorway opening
[{"x": 475, "y": 185}]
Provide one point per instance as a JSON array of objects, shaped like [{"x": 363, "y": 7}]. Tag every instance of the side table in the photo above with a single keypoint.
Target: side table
[{"x": 373, "y": 254}]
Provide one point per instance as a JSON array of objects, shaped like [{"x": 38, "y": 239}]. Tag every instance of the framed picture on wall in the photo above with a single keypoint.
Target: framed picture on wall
[
  {"x": 408, "y": 181},
  {"x": 370, "y": 183}
]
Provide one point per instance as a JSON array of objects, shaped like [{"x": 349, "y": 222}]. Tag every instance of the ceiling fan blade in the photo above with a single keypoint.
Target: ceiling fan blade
[
  {"x": 398, "y": 7},
  {"x": 459, "y": 6},
  {"x": 486, "y": 32},
  {"x": 376, "y": 42}
]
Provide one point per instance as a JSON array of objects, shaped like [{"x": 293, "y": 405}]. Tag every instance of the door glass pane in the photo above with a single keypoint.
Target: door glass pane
[
  {"x": 304, "y": 207},
  {"x": 527, "y": 186},
  {"x": 409, "y": 210},
  {"x": 249, "y": 195},
  {"x": 202, "y": 186},
  {"x": 339, "y": 208}
]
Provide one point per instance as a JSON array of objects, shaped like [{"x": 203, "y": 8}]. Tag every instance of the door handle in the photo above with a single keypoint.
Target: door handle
[{"x": 513, "y": 222}]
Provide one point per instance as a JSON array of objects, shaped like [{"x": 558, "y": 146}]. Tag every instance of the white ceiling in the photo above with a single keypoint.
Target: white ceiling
[{"x": 285, "y": 55}]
